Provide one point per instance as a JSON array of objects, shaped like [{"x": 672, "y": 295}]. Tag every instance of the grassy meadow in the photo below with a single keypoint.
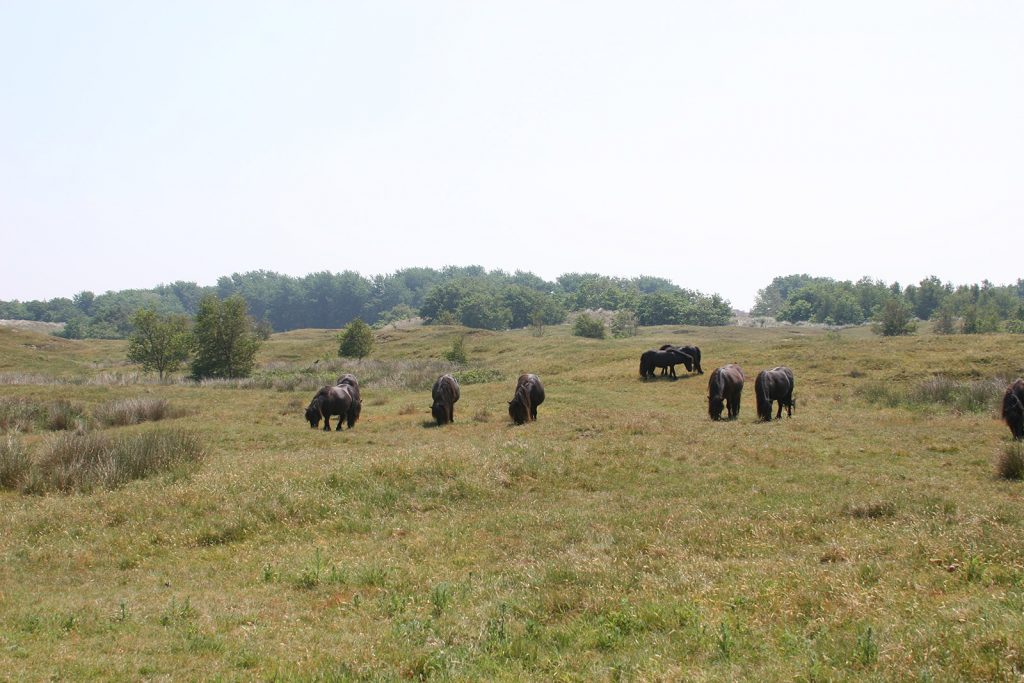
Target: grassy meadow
[{"x": 623, "y": 535}]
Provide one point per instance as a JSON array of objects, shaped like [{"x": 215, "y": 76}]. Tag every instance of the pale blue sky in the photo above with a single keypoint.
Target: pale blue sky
[{"x": 715, "y": 144}]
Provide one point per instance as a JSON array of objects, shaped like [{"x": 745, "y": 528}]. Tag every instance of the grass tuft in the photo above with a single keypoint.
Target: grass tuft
[
  {"x": 1010, "y": 464},
  {"x": 14, "y": 462}
]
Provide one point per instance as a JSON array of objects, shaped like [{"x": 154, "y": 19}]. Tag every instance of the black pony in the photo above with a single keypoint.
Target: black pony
[
  {"x": 692, "y": 351},
  {"x": 1013, "y": 408},
  {"x": 445, "y": 393},
  {"x": 336, "y": 400},
  {"x": 529, "y": 394},
  {"x": 774, "y": 385},
  {"x": 725, "y": 387},
  {"x": 663, "y": 358}
]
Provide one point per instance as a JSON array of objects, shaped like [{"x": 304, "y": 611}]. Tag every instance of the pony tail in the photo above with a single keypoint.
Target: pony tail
[{"x": 764, "y": 405}]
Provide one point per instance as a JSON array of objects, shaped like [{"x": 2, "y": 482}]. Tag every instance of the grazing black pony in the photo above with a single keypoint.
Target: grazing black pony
[
  {"x": 445, "y": 393},
  {"x": 663, "y": 358},
  {"x": 725, "y": 387},
  {"x": 336, "y": 400},
  {"x": 529, "y": 394},
  {"x": 1013, "y": 408},
  {"x": 774, "y": 385},
  {"x": 692, "y": 351}
]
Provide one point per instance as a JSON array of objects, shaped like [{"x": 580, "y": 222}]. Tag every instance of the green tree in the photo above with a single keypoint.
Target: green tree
[
  {"x": 356, "y": 340},
  {"x": 894, "y": 318},
  {"x": 159, "y": 342},
  {"x": 945, "y": 321},
  {"x": 624, "y": 324},
  {"x": 225, "y": 343}
]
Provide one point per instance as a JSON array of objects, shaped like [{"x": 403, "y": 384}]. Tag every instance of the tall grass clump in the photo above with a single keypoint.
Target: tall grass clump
[
  {"x": 135, "y": 410},
  {"x": 22, "y": 415},
  {"x": 975, "y": 396},
  {"x": 14, "y": 462},
  {"x": 82, "y": 462},
  {"x": 1010, "y": 464},
  {"x": 967, "y": 397}
]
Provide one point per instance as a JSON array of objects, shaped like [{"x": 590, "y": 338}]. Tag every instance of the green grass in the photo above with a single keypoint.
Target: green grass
[{"x": 621, "y": 536}]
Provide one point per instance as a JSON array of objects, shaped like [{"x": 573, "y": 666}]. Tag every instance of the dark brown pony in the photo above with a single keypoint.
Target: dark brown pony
[
  {"x": 725, "y": 387},
  {"x": 1013, "y": 408},
  {"x": 445, "y": 393},
  {"x": 774, "y": 385},
  {"x": 691, "y": 351},
  {"x": 663, "y": 358},
  {"x": 336, "y": 400},
  {"x": 529, "y": 394}
]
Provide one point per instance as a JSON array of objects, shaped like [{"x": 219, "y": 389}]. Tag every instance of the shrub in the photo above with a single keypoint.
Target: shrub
[
  {"x": 1010, "y": 464},
  {"x": 477, "y": 376},
  {"x": 893, "y": 318},
  {"x": 624, "y": 324},
  {"x": 356, "y": 340},
  {"x": 457, "y": 354},
  {"x": 588, "y": 326}
]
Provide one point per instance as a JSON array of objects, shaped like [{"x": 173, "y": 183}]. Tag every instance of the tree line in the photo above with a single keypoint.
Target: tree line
[
  {"x": 468, "y": 295},
  {"x": 969, "y": 309}
]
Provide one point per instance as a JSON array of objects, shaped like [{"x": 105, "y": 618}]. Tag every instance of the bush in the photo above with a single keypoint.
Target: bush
[
  {"x": 457, "y": 354},
  {"x": 893, "y": 318},
  {"x": 588, "y": 326},
  {"x": 624, "y": 324},
  {"x": 356, "y": 340}
]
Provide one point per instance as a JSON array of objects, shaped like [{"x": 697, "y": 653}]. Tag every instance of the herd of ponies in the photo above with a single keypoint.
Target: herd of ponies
[{"x": 725, "y": 388}]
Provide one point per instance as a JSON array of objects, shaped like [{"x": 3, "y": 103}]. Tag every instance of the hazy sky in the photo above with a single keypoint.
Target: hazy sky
[{"x": 717, "y": 144}]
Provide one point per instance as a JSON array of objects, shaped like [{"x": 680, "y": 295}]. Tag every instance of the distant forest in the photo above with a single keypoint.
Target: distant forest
[
  {"x": 968, "y": 309},
  {"x": 468, "y": 295},
  {"x": 497, "y": 300}
]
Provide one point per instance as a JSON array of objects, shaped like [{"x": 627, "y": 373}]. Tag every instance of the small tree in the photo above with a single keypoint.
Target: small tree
[
  {"x": 224, "y": 340},
  {"x": 587, "y": 325},
  {"x": 356, "y": 340},
  {"x": 263, "y": 330},
  {"x": 159, "y": 342},
  {"x": 893, "y": 319},
  {"x": 624, "y": 324},
  {"x": 944, "y": 320}
]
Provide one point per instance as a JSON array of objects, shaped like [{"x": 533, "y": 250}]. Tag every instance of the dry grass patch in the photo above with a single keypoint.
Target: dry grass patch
[{"x": 870, "y": 510}]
